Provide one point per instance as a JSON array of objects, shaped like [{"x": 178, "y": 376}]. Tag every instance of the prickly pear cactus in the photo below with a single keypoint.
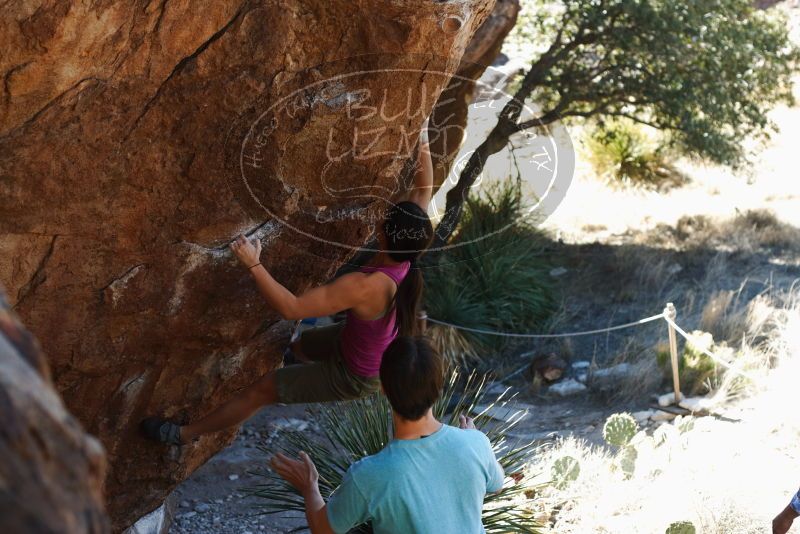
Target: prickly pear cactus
[
  {"x": 627, "y": 461},
  {"x": 681, "y": 527},
  {"x": 620, "y": 429},
  {"x": 565, "y": 470},
  {"x": 684, "y": 424}
]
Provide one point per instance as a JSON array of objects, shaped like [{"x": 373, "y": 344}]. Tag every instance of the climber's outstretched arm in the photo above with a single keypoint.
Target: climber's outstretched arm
[
  {"x": 343, "y": 293},
  {"x": 423, "y": 177}
]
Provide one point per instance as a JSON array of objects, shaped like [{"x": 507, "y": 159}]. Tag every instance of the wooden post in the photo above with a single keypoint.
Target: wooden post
[{"x": 672, "y": 314}]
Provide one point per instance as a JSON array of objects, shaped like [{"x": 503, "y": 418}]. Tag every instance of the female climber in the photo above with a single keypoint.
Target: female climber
[{"x": 381, "y": 301}]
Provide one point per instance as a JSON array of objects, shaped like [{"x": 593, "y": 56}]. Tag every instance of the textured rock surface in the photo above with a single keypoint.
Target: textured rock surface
[
  {"x": 51, "y": 473},
  {"x": 138, "y": 138},
  {"x": 450, "y": 115}
]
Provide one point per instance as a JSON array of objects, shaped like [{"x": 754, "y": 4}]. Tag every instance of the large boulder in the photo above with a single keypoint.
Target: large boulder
[
  {"x": 450, "y": 114},
  {"x": 137, "y": 139},
  {"x": 51, "y": 473}
]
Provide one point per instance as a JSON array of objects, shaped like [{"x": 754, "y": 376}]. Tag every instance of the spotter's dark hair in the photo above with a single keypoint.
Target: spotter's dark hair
[{"x": 412, "y": 375}]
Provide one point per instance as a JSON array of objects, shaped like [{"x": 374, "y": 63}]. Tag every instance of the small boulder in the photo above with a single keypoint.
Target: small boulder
[
  {"x": 643, "y": 416},
  {"x": 567, "y": 387},
  {"x": 696, "y": 404},
  {"x": 610, "y": 378},
  {"x": 662, "y": 416},
  {"x": 667, "y": 399},
  {"x": 612, "y": 373},
  {"x": 496, "y": 388},
  {"x": 550, "y": 366}
]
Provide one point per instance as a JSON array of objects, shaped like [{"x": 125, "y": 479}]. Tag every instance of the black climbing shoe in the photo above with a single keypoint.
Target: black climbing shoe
[{"x": 161, "y": 430}]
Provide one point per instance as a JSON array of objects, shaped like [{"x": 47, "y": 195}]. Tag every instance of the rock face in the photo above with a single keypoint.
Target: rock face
[
  {"x": 52, "y": 472},
  {"x": 450, "y": 114},
  {"x": 137, "y": 139}
]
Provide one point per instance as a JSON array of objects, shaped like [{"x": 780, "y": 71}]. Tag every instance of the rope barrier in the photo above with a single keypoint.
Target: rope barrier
[
  {"x": 664, "y": 315},
  {"x": 689, "y": 337},
  {"x": 548, "y": 336}
]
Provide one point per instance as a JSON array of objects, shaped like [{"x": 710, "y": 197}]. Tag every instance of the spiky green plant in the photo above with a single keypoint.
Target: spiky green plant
[
  {"x": 684, "y": 424},
  {"x": 620, "y": 429},
  {"x": 565, "y": 471},
  {"x": 626, "y": 460},
  {"x": 495, "y": 276},
  {"x": 353, "y": 430},
  {"x": 681, "y": 527},
  {"x": 699, "y": 373},
  {"x": 623, "y": 154}
]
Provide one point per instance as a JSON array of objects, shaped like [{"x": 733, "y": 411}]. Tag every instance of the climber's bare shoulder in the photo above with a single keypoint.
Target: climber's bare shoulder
[{"x": 349, "y": 291}]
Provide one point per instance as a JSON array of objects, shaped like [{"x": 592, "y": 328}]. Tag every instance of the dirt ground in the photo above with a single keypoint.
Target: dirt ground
[{"x": 210, "y": 502}]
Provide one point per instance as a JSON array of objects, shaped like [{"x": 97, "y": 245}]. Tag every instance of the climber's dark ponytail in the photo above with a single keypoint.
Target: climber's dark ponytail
[
  {"x": 407, "y": 302},
  {"x": 408, "y": 232}
]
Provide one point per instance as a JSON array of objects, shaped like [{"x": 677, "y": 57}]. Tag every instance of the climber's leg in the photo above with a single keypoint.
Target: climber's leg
[
  {"x": 243, "y": 405},
  {"x": 322, "y": 381},
  {"x": 326, "y": 378},
  {"x": 314, "y": 344}
]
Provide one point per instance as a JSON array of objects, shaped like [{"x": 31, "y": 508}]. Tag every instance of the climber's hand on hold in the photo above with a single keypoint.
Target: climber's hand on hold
[{"x": 248, "y": 252}]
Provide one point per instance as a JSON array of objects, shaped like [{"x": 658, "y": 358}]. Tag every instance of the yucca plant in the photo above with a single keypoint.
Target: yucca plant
[
  {"x": 353, "y": 430},
  {"x": 496, "y": 275},
  {"x": 622, "y": 154}
]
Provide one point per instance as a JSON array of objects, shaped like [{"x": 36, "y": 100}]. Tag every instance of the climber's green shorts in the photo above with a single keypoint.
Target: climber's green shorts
[{"x": 326, "y": 378}]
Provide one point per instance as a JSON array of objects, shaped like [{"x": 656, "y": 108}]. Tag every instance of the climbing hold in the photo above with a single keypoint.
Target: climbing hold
[{"x": 452, "y": 24}]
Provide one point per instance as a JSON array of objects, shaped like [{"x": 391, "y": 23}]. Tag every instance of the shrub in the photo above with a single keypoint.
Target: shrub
[
  {"x": 681, "y": 527},
  {"x": 353, "y": 430},
  {"x": 699, "y": 373},
  {"x": 496, "y": 275},
  {"x": 621, "y": 153}
]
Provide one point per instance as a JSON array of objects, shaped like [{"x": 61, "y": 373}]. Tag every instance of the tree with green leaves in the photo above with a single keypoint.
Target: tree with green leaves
[{"x": 704, "y": 72}]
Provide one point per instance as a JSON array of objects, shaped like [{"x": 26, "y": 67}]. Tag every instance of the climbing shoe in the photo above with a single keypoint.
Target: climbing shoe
[{"x": 161, "y": 430}]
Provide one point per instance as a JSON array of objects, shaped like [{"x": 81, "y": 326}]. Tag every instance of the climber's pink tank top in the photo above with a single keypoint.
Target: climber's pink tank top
[{"x": 363, "y": 341}]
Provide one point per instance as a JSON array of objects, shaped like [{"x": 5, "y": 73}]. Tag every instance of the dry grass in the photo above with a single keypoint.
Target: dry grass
[
  {"x": 453, "y": 345},
  {"x": 644, "y": 271},
  {"x": 749, "y": 232}
]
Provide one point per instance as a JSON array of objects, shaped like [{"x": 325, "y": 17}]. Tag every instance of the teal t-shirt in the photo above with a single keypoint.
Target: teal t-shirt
[{"x": 434, "y": 484}]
